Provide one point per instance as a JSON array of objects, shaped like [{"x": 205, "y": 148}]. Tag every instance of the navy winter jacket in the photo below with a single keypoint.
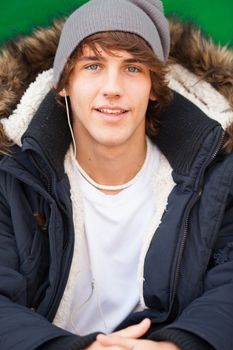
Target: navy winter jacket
[{"x": 188, "y": 270}]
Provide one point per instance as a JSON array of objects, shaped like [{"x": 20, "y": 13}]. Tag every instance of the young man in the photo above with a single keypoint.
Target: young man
[{"x": 96, "y": 235}]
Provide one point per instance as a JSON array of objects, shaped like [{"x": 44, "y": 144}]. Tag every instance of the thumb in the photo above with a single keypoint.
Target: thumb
[{"x": 135, "y": 331}]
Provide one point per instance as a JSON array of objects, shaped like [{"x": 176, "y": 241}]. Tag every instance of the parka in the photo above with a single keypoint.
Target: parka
[{"x": 187, "y": 284}]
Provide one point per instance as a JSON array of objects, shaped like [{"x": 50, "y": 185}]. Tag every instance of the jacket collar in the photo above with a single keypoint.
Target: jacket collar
[
  {"x": 183, "y": 127},
  {"x": 49, "y": 129}
]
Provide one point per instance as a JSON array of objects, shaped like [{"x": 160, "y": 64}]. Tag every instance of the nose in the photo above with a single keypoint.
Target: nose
[{"x": 112, "y": 84}]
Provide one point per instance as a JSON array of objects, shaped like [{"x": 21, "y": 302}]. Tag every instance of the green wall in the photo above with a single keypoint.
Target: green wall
[{"x": 21, "y": 16}]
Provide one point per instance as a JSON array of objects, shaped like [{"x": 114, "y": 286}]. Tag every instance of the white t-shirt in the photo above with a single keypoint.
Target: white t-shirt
[{"x": 106, "y": 288}]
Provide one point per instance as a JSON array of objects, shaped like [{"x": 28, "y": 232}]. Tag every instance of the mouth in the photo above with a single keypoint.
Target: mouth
[
  {"x": 112, "y": 114},
  {"x": 112, "y": 111}
]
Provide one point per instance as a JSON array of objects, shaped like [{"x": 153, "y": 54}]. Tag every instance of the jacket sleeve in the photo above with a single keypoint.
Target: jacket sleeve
[
  {"x": 184, "y": 340},
  {"x": 71, "y": 342},
  {"x": 208, "y": 320},
  {"x": 20, "y": 327}
]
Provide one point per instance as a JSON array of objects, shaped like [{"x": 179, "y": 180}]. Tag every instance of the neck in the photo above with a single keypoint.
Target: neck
[{"x": 112, "y": 165}]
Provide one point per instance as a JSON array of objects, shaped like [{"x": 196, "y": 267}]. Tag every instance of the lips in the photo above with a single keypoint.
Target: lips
[
  {"x": 111, "y": 110},
  {"x": 112, "y": 115}
]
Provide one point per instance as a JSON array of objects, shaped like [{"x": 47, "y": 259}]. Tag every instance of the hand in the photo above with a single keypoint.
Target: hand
[{"x": 132, "y": 332}]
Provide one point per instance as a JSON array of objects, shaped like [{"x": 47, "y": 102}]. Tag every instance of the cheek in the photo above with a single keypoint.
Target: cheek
[
  {"x": 141, "y": 98},
  {"x": 79, "y": 93},
  {"x": 140, "y": 89}
]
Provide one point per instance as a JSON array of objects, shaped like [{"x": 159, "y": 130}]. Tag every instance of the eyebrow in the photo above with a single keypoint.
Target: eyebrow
[{"x": 100, "y": 58}]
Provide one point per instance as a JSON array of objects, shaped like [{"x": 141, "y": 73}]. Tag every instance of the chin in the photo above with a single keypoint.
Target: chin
[
  {"x": 111, "y": 143},
  {"x": 111, "y": 140}
]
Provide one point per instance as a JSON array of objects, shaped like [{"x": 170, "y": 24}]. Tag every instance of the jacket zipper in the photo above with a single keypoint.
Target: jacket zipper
[
  {"x": 60, "y": 284},
  {"x": 57, "y": 295},
  {"x": 187, "y": 217}
]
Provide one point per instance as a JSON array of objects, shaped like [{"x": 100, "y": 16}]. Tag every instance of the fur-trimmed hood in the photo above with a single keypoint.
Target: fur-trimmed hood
[{"x": 200, "y": 70}]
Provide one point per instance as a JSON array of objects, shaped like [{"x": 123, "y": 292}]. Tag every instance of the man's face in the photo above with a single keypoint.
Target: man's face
[{"x": 109, "y": 96}]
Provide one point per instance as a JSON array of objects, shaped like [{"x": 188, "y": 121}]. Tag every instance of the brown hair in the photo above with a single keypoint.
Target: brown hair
[{"x": 135, "y": 45}]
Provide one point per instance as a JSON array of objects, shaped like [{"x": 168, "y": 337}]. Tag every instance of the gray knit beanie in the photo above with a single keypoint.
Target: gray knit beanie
[{"x": 142, "y": 17}]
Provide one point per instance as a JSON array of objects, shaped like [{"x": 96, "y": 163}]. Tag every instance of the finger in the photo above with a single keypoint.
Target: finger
[
  {"x": 135, "y": 331},
  {"x": 113, "y": 340}
]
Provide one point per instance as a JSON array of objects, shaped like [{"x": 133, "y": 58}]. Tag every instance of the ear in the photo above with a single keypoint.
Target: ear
[
  {"x": 63, "y": 93},
  {"x": 152, "y": 97}
]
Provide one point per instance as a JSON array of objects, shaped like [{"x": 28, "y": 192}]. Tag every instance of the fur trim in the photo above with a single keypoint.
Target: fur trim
[
  {"x": 22, "y": 60},
  {"x": 201, "y": 93},
  {"x": 16, "y": 124},
  {"x": 202, "y": 57}
]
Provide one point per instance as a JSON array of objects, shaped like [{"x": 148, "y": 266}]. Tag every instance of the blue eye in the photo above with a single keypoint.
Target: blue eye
[
  {"x": 133, "y": 69},
  {"x": 92, "y": 67}
]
